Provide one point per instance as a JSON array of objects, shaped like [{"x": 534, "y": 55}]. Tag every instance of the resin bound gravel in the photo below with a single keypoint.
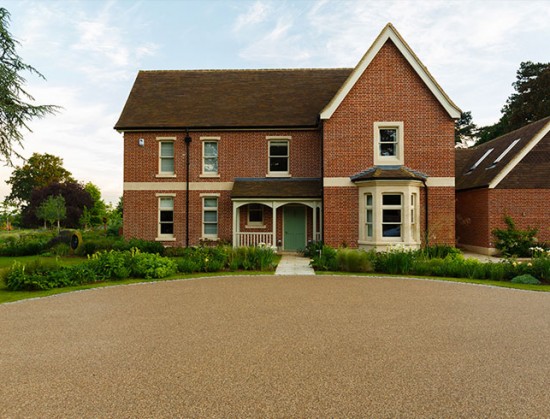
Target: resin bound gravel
[{"x": 278, "y": 347}]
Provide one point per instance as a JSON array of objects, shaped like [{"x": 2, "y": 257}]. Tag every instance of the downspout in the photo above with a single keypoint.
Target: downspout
[
  {"x": 187, "y": 143},
  {"x": 426, "y": 234},
  {"x": 322, "y": 180}
]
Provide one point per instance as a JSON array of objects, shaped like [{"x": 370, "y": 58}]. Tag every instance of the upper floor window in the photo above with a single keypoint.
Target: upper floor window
[
  {"x": 388, "y": 143},
  {"x": 166, "y": 157},
  {"x": 210, "y": 157},
  {"x": 278, "y": 157}
]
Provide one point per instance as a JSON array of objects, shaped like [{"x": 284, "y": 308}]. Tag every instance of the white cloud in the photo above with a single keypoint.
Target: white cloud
[{"x": 255, "y": 14}]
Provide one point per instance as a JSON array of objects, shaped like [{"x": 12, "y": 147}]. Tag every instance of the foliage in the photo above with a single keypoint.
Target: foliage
[
  {"x": 97, "y": 212},
  {"x": 465, "y": 130},
  {"x": 514, "y": 242},
  {"x": 439, "y": 251},
  {"x": 75, "y": 196},
  {"x": 52, "y": 209},
  {"x": 15, "y": 113},
  {"x": 313, "y": 248},
  {"x": 39, "y": 171},
  {"x": 325, "y": 260},
  {"x": 148, "y": 265},
  {"x": 38, "y": 275},
  {"x": 530, "y": 101},
  {"x": 352, "y": 260},
  {"x": 395, "y": 261},
  {"x": 25, "y": 245},
  {"x": 525, "y": 279}
]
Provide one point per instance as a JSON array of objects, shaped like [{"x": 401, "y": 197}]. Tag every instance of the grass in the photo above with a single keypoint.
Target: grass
[{"x": 502, "y": 284}]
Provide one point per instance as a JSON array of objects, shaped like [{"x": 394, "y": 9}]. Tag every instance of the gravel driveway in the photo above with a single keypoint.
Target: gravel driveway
[{"x": 278, "y": 347}]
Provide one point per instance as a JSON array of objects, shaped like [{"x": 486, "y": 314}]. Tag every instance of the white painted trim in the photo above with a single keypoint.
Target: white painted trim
[
  {"x": 177, "y": 186},
  {"x": 346, "y": 182},
  {"x": 432, "y": 182},
  {"x": 519, "y": 156},
  {"x": 399, "y": 158},
  {"x": 389, "y": 32},
  {"x": 209, "y": 138},
  {"x": 165, "y": 195},
  {"x": 210, "y": 195},
  {"x": 338, "y": 182},
  {"x": 205, "y": 140}
]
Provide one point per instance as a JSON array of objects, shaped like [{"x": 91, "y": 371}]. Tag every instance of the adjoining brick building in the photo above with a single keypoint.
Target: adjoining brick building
[
  {"x": 363, "y": 157},
  {"x": 508, "y": 176}
]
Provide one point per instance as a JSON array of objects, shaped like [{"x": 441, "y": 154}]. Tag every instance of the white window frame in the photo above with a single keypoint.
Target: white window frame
[
  {"x": 272, "y": 140},
  {"x": 205, "y": 140},
  {"x": 163, "y": 140},
  {"x": 369, "y": 209},
  {"x": 255, "y": 224},
  {"x": 206, "y": 209},
  {"x": 410, "y": 222},
  {"x": 160, "y": 235},
  {"x": 392, "y": 207},
  {"x": 398, "y": 159}
]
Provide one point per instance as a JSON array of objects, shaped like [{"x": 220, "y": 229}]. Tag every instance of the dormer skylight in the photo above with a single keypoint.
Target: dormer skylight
[
  {"x": 477, "y": 163},
  {"x": 499, "y": 158}
]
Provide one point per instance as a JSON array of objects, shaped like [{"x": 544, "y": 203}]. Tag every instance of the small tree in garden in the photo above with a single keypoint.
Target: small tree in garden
[
  {"x": 514, "y": 242},
  {"x": 52, "y": 209}
]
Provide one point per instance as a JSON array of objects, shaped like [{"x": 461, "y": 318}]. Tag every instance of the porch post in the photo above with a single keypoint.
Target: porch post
[
  {"x": 235, "y": 224},
  {"x": 321, "y": 221},
  {"x": 314, "y": 227},
  {"x": 274, "y": 225}
]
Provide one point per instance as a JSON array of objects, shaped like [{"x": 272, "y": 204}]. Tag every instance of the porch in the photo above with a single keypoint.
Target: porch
[{"x": 283, "y": 214}]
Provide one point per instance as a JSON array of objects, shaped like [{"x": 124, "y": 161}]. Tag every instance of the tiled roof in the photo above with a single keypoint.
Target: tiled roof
[
  {"x": 533, "y": 171},
  {"x": 277, "y": 188},
  {"x": 229, "y": 98},
  {"x": 388, "y": 172}
]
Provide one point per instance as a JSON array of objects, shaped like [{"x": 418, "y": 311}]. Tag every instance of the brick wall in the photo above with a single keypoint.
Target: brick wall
[
  {"x": 389, "y": 90},
  {"x": 241, "y": 154}
]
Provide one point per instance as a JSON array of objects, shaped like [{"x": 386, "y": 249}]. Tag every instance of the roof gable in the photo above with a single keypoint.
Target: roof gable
[
  {"x": 495, "y": 162},
  {"x": 390, "y": 33}
]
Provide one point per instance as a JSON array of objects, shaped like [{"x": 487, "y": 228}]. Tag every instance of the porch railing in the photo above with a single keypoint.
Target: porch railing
[{"x": 254, "y": 239}]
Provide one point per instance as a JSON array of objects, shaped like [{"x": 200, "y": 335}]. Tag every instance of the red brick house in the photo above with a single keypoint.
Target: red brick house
[
  {"x": 362, "y": 156},
  {"x": 508, "y": 176}
]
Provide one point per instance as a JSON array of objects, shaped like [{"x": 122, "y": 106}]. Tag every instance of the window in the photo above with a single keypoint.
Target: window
[
  {"x": 166, "y": 157},
  {"x": 278, "y": 157},
  {"x": 166, "y": 217},
  {"x": 499, "y": 158},
  {"x": 388, "y": 143},
  {"x": 391, "y": 215},
  {"x": 210, "y": 217},
  {"x": 477, "y": 163},
  {"x": 368, "y": 215},
  {"x": 210, "y": 157},
  {"x": 255, "y": 215}
]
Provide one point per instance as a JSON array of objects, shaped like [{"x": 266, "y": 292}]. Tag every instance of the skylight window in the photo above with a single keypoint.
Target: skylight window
[
  {"x": 477, "y": 163},
  {"x": 499, "y": 158}
]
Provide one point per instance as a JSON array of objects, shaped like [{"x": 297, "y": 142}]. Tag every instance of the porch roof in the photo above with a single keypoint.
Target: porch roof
[
  {"x": 389, "y": 173},
  {"x": 277, "y": 188}
]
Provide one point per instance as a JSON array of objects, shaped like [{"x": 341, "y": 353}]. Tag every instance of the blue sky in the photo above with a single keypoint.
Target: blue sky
[{"x": 91, "y": 51}]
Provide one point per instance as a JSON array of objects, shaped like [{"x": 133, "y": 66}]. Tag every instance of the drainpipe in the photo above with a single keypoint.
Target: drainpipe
[
  {"x": 426, "y": 234},
  {"x": 187, "y": 143},
  {"x": 322, "y": 225}
]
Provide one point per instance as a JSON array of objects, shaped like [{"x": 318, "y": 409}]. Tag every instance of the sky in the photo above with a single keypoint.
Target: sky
[{"x": 90, "y": 53}]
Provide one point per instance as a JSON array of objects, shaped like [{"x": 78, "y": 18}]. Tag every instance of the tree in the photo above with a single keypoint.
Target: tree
[
  {"x": 76, "y": 199},
  {"x": 52, "y": 209},
  {"x": 465, "y": 130},
  {"x": 38, "y": 172},
  {"x": 529, "y": 103},
  {"x": 94, "y": 215},
  {"x": 15, "y": 113}
]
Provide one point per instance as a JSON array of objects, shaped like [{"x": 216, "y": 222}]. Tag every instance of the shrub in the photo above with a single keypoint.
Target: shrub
[
  {"x": 395, "y": 261},
  {"x": 313, "y": 248},
  {"x": 514, "y": 242},
  {"x": 110, "y": 264},
  {"x": 146, "y": 246},
  {"x": 350, "y": 260},
  {"x": 37, "y": 275},
  {"x": 439, "y": 251},
  {"x": 26, "y": 245},
  {"x": 525, "y": 279},
  {"x": 148, "y": 265},
  {"x": 325, "y": 260}
]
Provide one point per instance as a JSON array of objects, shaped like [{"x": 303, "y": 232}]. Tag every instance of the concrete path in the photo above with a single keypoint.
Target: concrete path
[
  {"x": 274, "y": 347},
  {"x": 292, "y": 264}
]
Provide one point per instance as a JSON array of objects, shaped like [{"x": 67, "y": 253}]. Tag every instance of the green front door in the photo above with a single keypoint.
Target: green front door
[{"x": 294, "y": 224}]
